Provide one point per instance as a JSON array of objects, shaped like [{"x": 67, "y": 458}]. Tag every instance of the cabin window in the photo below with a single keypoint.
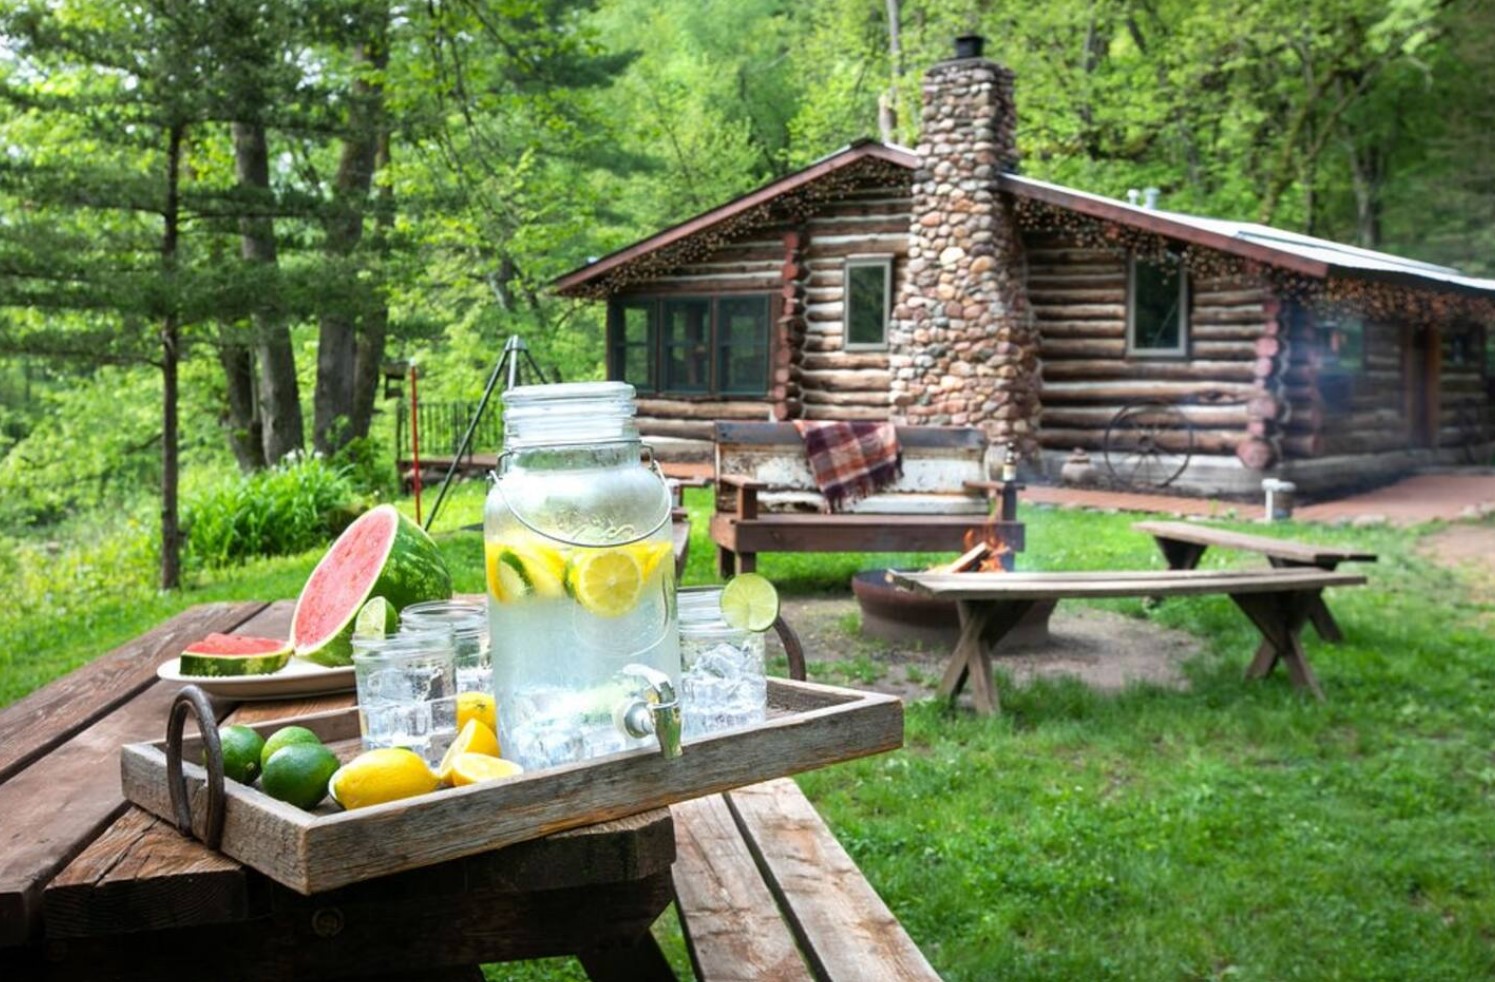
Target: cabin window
[
  {"x": 1346, "y": 344},
  {"x": 867, "y": 293},
  {"x": 1157, "y": 311},
  {"x": 702, "y": 346}
]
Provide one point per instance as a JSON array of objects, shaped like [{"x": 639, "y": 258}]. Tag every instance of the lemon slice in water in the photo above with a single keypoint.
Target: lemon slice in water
[
  {"x": 607, "y": 582},
  {"x": 750, "y": 602}
]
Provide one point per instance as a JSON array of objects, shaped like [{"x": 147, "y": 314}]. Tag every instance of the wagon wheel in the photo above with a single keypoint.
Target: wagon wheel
[{"x": 1148, "y": 444}]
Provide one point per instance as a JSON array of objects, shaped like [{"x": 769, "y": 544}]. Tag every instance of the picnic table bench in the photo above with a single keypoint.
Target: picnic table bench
[
  {"x": 767, "y": 501},
  {"x": 1184, "y": 543},
  {"x": 92, "y": 887},
  {"x": 764, "y": 891},
  {"x": 1276, "y": 601}
]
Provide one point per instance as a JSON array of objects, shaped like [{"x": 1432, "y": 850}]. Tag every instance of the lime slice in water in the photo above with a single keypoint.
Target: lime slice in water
[
  {"x": 376, "y": 619},
  {"x": 750, "y": 602}
]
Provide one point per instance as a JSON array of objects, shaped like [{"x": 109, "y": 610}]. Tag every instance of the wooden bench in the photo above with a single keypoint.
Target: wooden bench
[
  {"x": 764, "y": 891},
  {"x": 1184, "y": 543},
  {"x": 766, "y": 499},
  {"x": 1277, "y": 602}
]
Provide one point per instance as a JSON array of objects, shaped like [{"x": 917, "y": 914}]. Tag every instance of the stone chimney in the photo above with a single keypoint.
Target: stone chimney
[{"x": 963, "y": 348}]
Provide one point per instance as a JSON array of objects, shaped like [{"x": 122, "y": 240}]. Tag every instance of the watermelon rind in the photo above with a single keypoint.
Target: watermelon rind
[
  {"x": 410, "y": 571},
  {"x": 231, "y": 655}
]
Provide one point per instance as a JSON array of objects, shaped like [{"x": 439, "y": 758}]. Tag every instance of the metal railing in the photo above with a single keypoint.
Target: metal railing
[{"x": 441, "y": 426}]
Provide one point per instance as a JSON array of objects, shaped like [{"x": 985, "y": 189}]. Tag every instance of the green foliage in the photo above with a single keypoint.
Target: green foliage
[
  {"x": 297, "y": 505},
  {"x": 368, "y": 467}
]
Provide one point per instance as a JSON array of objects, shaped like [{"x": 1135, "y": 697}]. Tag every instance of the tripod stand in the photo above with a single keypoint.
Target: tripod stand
[{"x": 515, "y": 355}]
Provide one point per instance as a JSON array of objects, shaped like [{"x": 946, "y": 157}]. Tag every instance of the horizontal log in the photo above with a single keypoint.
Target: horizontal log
[
  {"x": 1225, "y": 332},
  {"x": 1086, "y": 277},
  {"x": 1172, "y": 441},
  {"x": 1265, "y": 347},
  {"x": 1067, "y": 296},
  {"x": 1052, "y": 347},
  {"x": 756, "y": 251},
  {"x": 880, "y": 207},
  {"x": 1223, "y": 349},
  {"x": 684, "y": 429},
  {"x": 814, "y": 397},
  {"x": 889, "y": 244},
  {"x": 1227, "y": 315},
  {"x": 841, "y": 226},
  {"x": 846, "y": 361},
  {"x": 1335, "y": 444},
  {"x": 1199, "y": 373},
  {"x": 1082, "y": 329},
  {"x": 844, "y": 412},
  {"x": 1041, "y": 255},
  {"x": 863, "y": 380},
  {"x": 822, "y": 312},
  {"x": 1204, "y": 296},
  {"x": 1099, "y": 417},
  {"x": 1130, "y": 390},
  {"x": 1303, "y": 445},
  {"x": 1080, "y": 312},
  {"x": 663, "y": 407}
]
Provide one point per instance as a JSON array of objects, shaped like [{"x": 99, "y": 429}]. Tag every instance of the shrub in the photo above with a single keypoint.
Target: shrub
[
  {"x": 297, "y": 505},
  {"x": 369, "y": 466}
]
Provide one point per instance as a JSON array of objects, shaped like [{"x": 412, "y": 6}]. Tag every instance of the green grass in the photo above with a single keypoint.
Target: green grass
[{"x": 1235, "y": 830}]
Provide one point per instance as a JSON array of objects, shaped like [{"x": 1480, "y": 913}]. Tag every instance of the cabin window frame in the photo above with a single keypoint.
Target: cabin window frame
[
  {"x": 1185, "y": 300},
  {"x": 658, "y": 348},
  {"x": 883, "y": 261}
]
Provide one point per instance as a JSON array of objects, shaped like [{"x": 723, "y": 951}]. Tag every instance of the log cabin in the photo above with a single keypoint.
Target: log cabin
[{"x": 936, "y": 285}]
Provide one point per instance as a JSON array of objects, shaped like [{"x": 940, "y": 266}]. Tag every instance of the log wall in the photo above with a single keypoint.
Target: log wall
[{"x": 1078, "y": 296}]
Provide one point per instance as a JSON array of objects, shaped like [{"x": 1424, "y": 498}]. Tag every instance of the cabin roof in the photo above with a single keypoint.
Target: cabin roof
[{"x": 1302, "y": 254}]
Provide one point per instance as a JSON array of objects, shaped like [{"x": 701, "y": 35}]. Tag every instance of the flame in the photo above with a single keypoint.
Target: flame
[{"x": 997, "y": 550}]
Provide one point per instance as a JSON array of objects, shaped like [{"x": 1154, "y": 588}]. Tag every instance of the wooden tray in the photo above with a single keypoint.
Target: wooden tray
[{"x": 808, "y": 726}]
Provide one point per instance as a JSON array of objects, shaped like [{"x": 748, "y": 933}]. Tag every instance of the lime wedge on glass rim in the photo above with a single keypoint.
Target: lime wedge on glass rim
[
  {"x": 376, "y": 618},
  {"x": 750, "y": 602}
]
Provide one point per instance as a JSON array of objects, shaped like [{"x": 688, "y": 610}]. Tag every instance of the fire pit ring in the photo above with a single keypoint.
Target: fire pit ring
[{"x": 891, "y": 613}]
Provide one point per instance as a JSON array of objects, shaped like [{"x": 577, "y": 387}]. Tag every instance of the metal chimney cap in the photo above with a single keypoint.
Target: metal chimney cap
[
  {"x": 1150, "y": 197},
  {"x": 969, "y": 46}
]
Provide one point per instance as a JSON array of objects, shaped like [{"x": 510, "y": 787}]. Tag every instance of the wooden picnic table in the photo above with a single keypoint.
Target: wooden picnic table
[
  {"x": 1277, "y": 601},
  {"x": 1183, "y": 544},
  {"x": 92, "y": 887}
]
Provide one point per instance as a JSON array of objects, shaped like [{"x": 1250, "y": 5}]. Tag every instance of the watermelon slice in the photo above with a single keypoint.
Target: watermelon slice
[
  {"x": 222, "y": 655},
  {"x": 382, "y": 553}
]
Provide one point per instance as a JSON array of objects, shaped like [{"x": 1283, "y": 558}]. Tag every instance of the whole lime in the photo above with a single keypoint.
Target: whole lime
[
  {"x": 298, "y": 774},
  {"x": 241, "y": 752},
  {"x": 285, "y": 737}
]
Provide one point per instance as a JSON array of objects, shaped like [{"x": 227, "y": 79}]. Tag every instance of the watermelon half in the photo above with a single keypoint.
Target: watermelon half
[
  {"x": 382, "y": 553},
  {"x": 223, "y": 655}
]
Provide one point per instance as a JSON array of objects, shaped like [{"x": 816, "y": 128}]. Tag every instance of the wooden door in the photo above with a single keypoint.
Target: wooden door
[{"x": 1421, "y": 357}]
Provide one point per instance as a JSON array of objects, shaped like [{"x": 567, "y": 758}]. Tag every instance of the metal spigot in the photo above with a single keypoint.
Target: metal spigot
[{"x": 655, "y": 711}]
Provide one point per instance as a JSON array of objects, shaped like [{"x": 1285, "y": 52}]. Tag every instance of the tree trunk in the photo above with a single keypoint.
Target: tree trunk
[
  {"x": 337, "y": 336},
  {"x": 242, "y": 423},
  {"x": 369, "y": 357},
  {"x": 171, "y": 536},
  {"x": 281, "y": 430}
]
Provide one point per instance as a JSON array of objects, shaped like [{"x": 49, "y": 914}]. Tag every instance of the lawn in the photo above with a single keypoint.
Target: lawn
[{"x": 1234, "y": 830}]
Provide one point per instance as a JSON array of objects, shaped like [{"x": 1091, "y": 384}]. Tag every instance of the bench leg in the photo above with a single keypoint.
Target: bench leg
[
  {"x": 1181, "y": 555},
  {"x": 641, "y": 960},
  {"x": 983, "y": 624},
  {"x": 1280, "y": 618},
  {"x": 729, "y": 563},
  {"x": 1318, "y": 614}
]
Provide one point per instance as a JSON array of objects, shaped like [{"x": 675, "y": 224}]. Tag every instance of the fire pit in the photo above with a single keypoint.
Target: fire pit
[{"x": 892, "y": 614}]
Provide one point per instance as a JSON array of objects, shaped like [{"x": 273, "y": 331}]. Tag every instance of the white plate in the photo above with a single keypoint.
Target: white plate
[{"x": 298, "y": 678}]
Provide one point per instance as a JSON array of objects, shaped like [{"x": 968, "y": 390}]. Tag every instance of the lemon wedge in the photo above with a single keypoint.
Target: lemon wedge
[
  {"x": 474, "y": 768},
  {"x": 474, "y": 738}
]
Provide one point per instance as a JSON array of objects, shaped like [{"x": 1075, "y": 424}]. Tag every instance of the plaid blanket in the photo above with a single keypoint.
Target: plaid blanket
[{"x": 850, "y": 460}]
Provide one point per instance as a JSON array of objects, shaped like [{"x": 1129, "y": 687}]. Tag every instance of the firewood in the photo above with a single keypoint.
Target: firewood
[{"x": 965, "y": 561}]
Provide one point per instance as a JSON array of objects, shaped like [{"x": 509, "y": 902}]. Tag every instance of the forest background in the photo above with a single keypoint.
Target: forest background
[{"x": 220, "y": 218}]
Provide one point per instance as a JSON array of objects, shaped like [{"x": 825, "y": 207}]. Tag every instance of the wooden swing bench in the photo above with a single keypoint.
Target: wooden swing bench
[{"x": 767, "y": 501}]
